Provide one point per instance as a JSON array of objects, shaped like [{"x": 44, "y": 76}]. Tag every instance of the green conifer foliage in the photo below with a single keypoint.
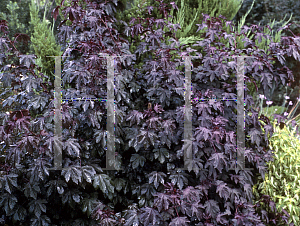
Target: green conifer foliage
[
  {"x": 190, "y": 12},
  {"x": 16, "y": 14},
  {"x": 43, "y": 40},
  {"x": 134, "y": 8},
  {"x": 16, "y": 21}
]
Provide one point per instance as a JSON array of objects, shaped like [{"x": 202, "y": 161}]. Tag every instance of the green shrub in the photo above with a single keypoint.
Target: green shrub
[
  {"x": 43, "y": 40},
  {"x": 12, "y": 13},
  {"x": 189, "y": 13},
  {"x": 282, "y": 182}
]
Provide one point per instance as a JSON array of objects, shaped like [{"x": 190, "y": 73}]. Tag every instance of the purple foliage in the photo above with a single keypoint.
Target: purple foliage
[{"x": 149, "y": 127}]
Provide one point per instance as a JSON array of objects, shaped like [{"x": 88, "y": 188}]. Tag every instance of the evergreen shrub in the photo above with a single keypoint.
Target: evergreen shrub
[
  {"x": 43, "y": 40},
  {"x": 281, "y": 182}
]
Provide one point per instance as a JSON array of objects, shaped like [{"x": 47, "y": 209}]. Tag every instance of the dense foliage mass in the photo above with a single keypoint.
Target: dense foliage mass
[
  {"x": 43, "y": 40},
  {"x": 149, "y": 103},
  {"x": 282, "y": 180},
  {"x": 264, "y": 12}
]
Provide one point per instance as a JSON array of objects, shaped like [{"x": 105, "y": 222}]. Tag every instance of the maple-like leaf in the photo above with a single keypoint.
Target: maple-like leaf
[
  {"x": 103, "y": 181},
  {"x": 27, "y": 60},
  {"x": 154, "y": 122},
  {"x": 161, "y": 154},
  {"x": 72, "y": 172},
  {"x": 137, "y": 160},
  {"x": 149, "y": 216},
  {"x": 156, "y": 178},
  {"x": 255, "y": 136},
  {"x": 88, "y": 173},
  {"x": 135, "y": 117},
  {"x": 194, "y": 164},
  {"x": 3, "y": 44},
  {"x": 191, "y": 194},
  {"x": 202, "y": 133},
  {"x": 132, "y": 218},
  {"x": 219, "y": 161},
  {"x": 179, "y": 221},
  {"x": 223, "y": 189},
  {"x": 30, "y": 83},
  {"x": 212, "y": 208},
  {"x": 179, "y": 178},
  {"x": 72, "y": 147},
  {"x": 37, "y": 207},
  {"x": 72, "y": 14},
  {"x": 208, "y": 195},
  {"x": 39, "y": 170},
  {"x": 38, "y": 102},
  {"x": 29, "y": 142},
  {"x": 146, "y": 137},
  {"x": 162, "y": 201}
]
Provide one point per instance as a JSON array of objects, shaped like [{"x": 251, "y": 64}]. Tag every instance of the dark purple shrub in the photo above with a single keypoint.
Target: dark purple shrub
[{"x": 149, "y": 128}]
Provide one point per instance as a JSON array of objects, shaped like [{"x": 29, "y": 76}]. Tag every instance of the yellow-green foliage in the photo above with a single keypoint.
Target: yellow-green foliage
[
  {"x": 264, "y": 43},
  {"x": 13, "y": 18},
  {"x": 137, "y": 8},
  {"x": 269, "y": 111},
  {"x": 181, "y": 19},
  {"x": 282, "y": 182},
  {"x": 190, "y": 13},
  {"x": 43, "y": 40},
  {"x": 67, "y": 3}
]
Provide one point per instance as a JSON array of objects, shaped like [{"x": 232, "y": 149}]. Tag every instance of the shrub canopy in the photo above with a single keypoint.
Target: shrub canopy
[{"x": 149, "y": 127}]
